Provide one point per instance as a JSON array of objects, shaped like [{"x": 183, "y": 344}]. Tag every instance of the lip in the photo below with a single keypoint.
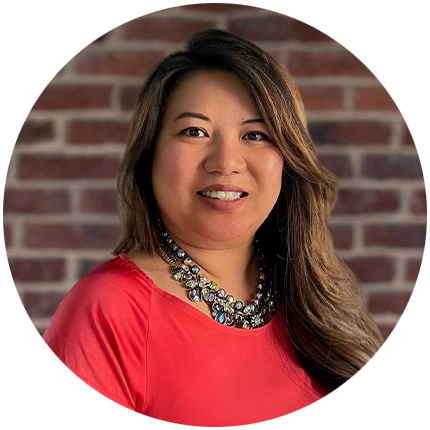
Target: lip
[
  {"x": 222, "y": 205},
  {"x": 220, "y": 187}
]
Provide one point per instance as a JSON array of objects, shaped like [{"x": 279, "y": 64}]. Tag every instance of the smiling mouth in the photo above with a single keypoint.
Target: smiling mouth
[{"x": 222, "y": 195}]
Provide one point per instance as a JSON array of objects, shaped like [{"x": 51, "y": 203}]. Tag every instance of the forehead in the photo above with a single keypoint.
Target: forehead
[{"x": 211, "y": 91}]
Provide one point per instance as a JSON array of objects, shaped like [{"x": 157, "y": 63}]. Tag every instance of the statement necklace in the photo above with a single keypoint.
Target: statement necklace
[{"x": 225, "y": 309}]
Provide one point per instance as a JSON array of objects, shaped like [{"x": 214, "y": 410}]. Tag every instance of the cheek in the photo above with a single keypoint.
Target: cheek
[
  {"x": 271, "y": 170},
  {"x": 170, "y": 170}
]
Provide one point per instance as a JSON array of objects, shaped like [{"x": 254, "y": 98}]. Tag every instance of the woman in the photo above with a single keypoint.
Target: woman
[{"x": 226, "y": 303}]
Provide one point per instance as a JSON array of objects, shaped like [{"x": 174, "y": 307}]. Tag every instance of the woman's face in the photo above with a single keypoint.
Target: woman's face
[{"x": 216, "y": 173}]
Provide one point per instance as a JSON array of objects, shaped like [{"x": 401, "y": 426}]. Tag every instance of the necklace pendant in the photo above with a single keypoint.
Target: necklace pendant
[{"x": 195, "y": 294}]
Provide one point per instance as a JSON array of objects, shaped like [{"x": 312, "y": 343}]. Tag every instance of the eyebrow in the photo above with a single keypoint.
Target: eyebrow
[{"x": 188, "y": 114}]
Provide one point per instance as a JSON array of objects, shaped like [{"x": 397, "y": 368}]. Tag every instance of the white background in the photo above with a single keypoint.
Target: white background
[{"x": 35, "y": 36}]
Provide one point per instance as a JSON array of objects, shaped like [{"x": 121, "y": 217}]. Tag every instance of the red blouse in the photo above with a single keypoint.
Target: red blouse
[{"x": 151, "y": 352}]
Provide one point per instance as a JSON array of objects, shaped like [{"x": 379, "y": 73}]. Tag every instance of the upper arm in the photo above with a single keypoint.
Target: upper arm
[{"x": 99, "y": 332}]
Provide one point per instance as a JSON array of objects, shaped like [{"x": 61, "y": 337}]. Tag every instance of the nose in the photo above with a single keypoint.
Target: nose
[{"x": 225, "y": 156}]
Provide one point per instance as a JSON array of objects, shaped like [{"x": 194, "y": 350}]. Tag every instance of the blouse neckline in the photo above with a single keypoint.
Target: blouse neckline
[{"x": 194, "y": 312}]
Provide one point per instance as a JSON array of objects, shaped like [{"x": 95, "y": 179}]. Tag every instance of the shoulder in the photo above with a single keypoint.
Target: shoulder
[
  {"x": 117, "y": 290},
  {"x": 113, "y": 282}
]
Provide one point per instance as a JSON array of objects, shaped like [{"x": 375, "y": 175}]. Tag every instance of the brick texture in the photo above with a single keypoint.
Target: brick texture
[
  {"x": 36, "y": 131},
  {"x": 36, "y": 201},
  {"x": 60, "y": 211},
  {"x": 57, "y": 97},
  {"x": 165, "y": 29},
  {"x": 60, "y": 167},
  {"x": 96, "y": 131},
  {"x": 37, "y": 270},
  {"x": 118, "y": 63}
]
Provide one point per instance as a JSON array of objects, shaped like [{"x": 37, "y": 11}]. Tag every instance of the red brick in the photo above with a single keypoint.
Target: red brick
[
  {"x": 36, "y": 201},
  {"x": 372, "y": 269},
  {"x": 322, "y": 98},
  {"x": 56, "y": 97},
  {"x": 326, "y": 64},
  {"x": 350, "y": 132},
  {"x": 390, "y": 302},
  {"x": 412, "y": 269},
  {"x": 395, "y": 235},
  {"x": 128, "y": 97},
  {"x": 95, "y": 131},
  {"x": 418, "y": 202},
  {"x": 276, "y": 27},
  {"x": 353, "y": 201},
  {"x": 398, "y": 67},
  {"x": 64, "y": 236},
  {"x": 87, "y": 266},
  {"x": 37, "y": 270},
  {"x": 118, "y": 63},
  {"x": 340, "y": 165},
  {"x": 342, "y": 236},
  {"x": 391, "y": 166},
  {"x": 402, "y": 336},
  {"x": 414, "y": 135},
  {"x": 41, "y": 305},
  {"x": 7, "y": 231},
  {"x": 373, "y": 99},
  {"x": 98, "y": 201},
  {"x": 166, "y": 29},
  {"x": 67, "y": 167},
  {"x": 36, "y": 131},
  {"x": 218, "y": 7}
]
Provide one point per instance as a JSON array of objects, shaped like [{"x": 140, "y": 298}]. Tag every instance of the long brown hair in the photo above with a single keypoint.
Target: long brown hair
[{"x": 324, "y": 313}]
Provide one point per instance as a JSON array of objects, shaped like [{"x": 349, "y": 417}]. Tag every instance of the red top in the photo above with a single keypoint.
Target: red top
[{"x": 151, "y": 352}]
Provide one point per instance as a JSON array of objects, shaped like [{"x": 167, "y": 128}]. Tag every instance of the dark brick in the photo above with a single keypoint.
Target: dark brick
[
  {"x": 56, "y": 97},
  {"x": 7, "y": 231},
  {"x": 395, "y": 235},
  {"x": 37, "y": 270},
  {"x": 322, "y": 98},
  {"x": 98, "y": 201},
  {"x": 64, "y": 236},
  {"x": 118, "y": 63},
  {"x": 353, "y": 201},
  {"x": 276, "y": 27},
  {"x": 326, "y": 64},
  {"x": 350, "y": 133},
  {"x": 391, "y": 166},
  {"x": 342, "y": 236},
  {"x": 340, "y": 165},
  {"x": 67, "y": 167},
  {"x": 412, "y": 269},
  {"x": 166, "y": 29},
  {"x": 36, "y": 201},
  {"x": 372, "y": 269},
  {"x": 36, "y": 131},
  {"x": 418, "y": 202},
  {"x": 128, "y": 97},
  {"x": 97, "y": 131},
  {"x": 414, "y": 135},
  {"x": 41, "y": 305}
]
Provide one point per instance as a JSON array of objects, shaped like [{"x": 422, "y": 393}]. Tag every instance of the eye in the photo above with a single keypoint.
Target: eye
[
  {"x": 194, "y": 132},
  {"x": 256, "y": 135}
]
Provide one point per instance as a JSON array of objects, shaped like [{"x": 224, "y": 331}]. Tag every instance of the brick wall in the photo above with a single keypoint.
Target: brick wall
[{"x": 60, "y": 209}]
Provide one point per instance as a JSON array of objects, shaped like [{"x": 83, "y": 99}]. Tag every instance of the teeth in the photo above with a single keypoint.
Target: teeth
[{"x": 222, "y": 195}]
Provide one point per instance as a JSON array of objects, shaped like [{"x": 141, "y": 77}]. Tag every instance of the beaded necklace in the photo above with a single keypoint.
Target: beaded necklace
[{"x": 225, "y": 309}]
